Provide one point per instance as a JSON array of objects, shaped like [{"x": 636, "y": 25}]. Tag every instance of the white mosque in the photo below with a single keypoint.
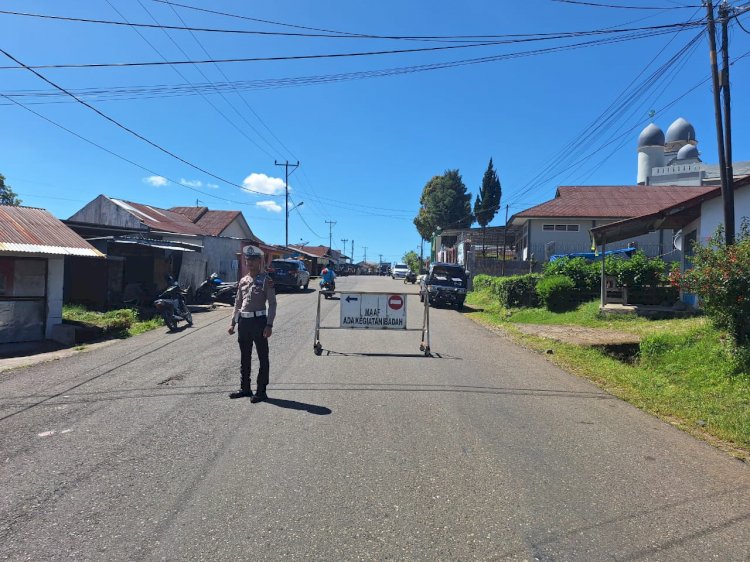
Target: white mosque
[{"x": 673, "y": 159}]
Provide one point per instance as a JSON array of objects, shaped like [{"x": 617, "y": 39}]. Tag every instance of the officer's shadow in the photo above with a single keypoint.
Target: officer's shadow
[{"x": 294, "y": 405}]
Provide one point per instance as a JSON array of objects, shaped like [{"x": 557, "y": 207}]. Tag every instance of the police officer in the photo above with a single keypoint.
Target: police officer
[{"x": 255, "y": 322}]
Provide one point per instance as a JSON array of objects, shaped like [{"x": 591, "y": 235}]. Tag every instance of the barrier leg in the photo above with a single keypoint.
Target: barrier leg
[{"x": 317, "y": 347}]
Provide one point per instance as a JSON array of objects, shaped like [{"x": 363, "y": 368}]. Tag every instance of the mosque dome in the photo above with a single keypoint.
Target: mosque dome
[
  {"x": 651, "y": 136},
  {"x": 688, "y": 152},
  {"x": 680, "y": 130}
]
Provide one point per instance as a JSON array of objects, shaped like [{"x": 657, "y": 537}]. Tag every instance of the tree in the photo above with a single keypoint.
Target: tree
[
  {"x": 487, "y": 202},
  {"x": 7, "y": 195},
  {"x": 411, "y": 258},
  {"x": 444, "y": 203}
]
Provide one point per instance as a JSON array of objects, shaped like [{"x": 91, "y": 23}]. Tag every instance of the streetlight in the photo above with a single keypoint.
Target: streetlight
[{"x": 289, "y": 210}]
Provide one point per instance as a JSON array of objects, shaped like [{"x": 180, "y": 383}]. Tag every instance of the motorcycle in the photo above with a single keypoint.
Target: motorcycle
[
  {"x": 171, "y": 305},
  {"x": 327, "y": 288},
  {"x": 410, "y": 277},
  {"x": 226, "y": 292},
  {"x": 206, "y": 291}
]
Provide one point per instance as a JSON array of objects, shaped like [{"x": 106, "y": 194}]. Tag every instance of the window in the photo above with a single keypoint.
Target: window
[{"x": 561, "y": 227}]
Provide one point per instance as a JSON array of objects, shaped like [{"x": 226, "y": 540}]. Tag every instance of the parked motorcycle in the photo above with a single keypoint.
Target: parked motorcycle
[
  {"x": 206, "y": 291},
  {"x": 226, "y": 292},
  {"x": 171, "y": 305},
  {"x": 327, "y": 288},
  {"x": 410, "y": 277}
]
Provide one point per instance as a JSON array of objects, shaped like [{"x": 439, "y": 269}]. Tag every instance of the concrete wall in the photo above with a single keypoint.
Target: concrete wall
[
  {"x": 657, "y": 243},
  {"x": 712, "y": 214},
  {"x": 219, "y": 255}
]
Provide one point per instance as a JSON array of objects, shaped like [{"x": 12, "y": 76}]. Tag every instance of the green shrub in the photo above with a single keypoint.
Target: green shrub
[
  {"x": 482, "y": 282},
  {"x": 721, "y": 278},
  {"x": 584, "y": 274},
  {"x": 557, "y": 292},
  {"x": 517, "y": 290}
]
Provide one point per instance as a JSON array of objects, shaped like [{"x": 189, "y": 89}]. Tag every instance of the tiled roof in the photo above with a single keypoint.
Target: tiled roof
[
  {"x": 612, "y": 201},
  {"x": 30, "y": 230},
  {"x": 160, "y": 220}
]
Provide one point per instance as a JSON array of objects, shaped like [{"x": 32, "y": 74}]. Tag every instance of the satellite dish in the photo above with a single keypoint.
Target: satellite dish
[{"x": 677, "y": 240}]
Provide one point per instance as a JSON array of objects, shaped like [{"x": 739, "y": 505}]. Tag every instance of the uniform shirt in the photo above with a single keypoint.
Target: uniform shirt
[
  {"x": 329, "y": 276},
  {"x": 252, "y": 294}
]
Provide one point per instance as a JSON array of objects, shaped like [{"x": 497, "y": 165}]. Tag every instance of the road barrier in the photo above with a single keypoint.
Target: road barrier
[{"x": 374, "y": 311}]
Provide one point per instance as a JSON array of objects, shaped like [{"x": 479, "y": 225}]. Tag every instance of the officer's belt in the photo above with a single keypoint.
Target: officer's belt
[{"x": 253, "y": 313}]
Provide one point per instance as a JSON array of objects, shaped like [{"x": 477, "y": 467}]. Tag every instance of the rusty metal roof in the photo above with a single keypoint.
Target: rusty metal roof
[
  {"x": 35, "y": 231},
  {"x": 215, "y": 222},
  {"x": 158, "y": 219}
]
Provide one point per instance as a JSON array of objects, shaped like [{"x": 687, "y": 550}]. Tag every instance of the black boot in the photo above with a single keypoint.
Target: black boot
[
  {"x": 241, "y": 394},
  {"x": 260, "y": 396}
]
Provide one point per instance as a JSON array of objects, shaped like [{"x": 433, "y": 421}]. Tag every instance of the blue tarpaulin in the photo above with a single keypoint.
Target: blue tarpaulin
[{"x": 593, "y": 256}]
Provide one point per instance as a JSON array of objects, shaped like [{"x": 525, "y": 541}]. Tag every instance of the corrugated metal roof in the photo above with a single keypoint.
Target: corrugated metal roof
[
  {"x": 159, "y": 219},
  {"x": 31, "y": 230},
  {"x": 215, "y": 222},
  {"x": 612, "y": 201}
]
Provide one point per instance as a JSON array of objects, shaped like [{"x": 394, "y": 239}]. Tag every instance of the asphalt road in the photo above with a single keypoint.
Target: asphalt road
[{"x": 370, "y": 451}]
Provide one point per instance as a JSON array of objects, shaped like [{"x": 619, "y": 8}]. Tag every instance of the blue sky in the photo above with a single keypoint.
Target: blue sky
[{"x": 366, "y": 146}]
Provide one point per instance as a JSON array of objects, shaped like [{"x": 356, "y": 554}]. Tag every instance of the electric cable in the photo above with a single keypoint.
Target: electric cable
[
  {"x": 637, "y": 33},
  {"x": 127, "y": 129}
]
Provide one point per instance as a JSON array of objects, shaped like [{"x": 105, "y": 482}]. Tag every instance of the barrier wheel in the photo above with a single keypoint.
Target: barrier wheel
[{"x": 318, "y": 349}]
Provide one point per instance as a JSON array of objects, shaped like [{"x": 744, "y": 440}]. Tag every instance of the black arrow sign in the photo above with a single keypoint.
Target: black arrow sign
[{"x": 350, "y": 299}]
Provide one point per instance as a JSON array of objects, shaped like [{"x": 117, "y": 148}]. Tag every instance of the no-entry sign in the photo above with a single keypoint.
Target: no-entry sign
[{"x": 373, "y": 311}]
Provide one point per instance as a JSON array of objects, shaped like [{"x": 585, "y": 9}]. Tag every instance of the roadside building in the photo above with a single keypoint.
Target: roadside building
[
  {"x": 144, "y": 244},
  {"x": 33, "y": 248}
]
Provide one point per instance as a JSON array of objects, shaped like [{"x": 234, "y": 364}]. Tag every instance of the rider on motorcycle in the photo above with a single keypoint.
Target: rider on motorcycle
[{"x": 328, "y": 276}]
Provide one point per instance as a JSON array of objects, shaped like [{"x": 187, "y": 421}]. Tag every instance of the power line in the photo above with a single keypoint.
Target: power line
[
  {"x": 121, "y": 157},
  {"x": 127, "y": 129},
  {"x": 620, "y": 6},
  {"x": 637, "y": 33}
]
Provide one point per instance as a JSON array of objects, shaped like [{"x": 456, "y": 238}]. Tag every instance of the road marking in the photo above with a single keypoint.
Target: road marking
[{"x": 46, "y": 433}]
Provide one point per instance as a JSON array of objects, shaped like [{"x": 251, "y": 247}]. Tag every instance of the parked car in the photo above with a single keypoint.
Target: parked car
[
  {"x": 399, "y": 271},
  {"x": 444, "y": 284},
  {"x": 289, "y": 273}
]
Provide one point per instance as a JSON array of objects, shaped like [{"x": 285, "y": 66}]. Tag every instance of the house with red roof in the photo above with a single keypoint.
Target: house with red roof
[
  {"x": 563, "y": 224},
  {"x": 144, "y": 244}
]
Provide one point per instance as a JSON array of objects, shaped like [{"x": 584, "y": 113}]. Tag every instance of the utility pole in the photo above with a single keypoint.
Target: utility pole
[
  {"x": 726, "y": 191},
  {"x": 364, "y": 259},
  {"x": 505, "y": 237},
  {"x": 286, "y": 165},
  {"x": 724, "y": 17},
  {"x": 352, "y": 250},
  {"x": 380, "y": 259},
  {"x": 344, "y": 241},
  {"x": 330, "y": 233}
]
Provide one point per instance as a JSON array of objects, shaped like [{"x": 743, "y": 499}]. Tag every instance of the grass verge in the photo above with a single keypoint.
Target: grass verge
[
  {"x": 121, "y": 323},
  {"x": 683, "y": 373}
]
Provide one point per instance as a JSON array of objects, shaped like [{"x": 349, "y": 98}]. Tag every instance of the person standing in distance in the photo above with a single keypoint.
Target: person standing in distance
[{"x": 255, "y": 323}]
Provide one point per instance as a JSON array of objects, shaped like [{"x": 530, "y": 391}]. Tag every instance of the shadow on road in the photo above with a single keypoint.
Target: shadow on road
[{"x": 294, "y": 405}]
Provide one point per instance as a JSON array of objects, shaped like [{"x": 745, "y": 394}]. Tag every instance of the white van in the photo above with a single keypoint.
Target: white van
[{"x": 399, "y": 271}]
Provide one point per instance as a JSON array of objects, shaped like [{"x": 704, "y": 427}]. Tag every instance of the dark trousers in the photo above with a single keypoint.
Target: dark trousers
[{"x": 249, "y": 332}]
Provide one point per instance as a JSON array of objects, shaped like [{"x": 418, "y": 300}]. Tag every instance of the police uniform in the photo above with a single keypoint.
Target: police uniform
[{"x": 252, "y": 317}]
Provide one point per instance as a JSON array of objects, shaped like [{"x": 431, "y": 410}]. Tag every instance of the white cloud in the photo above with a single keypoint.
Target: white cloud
[
  {"x": 263, "y": 184},
  {"x": 212, "y": 185},
  {"x": 191, "y": 183},
  {"x": 270, "y": 206},
  {"x": 156, "y": 181}
]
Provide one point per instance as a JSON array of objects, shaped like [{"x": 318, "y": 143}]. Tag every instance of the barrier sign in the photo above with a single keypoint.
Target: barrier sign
[{"x": 373, "y": 311}]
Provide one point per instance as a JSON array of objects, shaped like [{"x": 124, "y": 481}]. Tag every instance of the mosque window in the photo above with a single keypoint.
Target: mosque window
[{"x": 561, "y": 227}]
